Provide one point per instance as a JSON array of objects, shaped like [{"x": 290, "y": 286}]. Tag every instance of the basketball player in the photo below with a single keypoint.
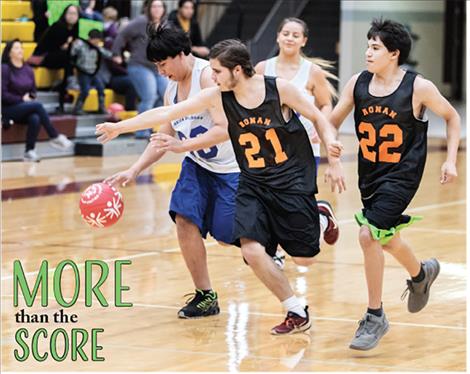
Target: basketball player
[
  {"x": 203, "y": 200},
  {"x": 275, "y": 201},
  {"x": 308, "y": 75},
  {"x": 391, "y": 128},
  {"x": 204, "y": 197}
]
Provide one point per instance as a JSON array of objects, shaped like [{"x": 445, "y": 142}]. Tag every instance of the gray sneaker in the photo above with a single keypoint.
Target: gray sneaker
[
  {"x": 419, "y": 291},
  {"x": 370, "y": 331}
]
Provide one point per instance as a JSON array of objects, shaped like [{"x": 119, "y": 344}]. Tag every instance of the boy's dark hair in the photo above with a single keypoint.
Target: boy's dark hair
[
  {"x": 233, "y": 52},
  {"x": 182, "y": 2},
  {"x": 394, "y": 35},
  {"x": 166, "y": 41},
  {"x": 95, "y": 34}
]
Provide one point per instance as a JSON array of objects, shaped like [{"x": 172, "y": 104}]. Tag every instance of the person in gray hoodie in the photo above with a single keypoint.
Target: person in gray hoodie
[{"x": 149, "y": 85}]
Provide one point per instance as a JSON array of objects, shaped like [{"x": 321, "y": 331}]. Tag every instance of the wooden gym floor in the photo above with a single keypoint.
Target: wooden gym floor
[{"x": 41, "y": 222}]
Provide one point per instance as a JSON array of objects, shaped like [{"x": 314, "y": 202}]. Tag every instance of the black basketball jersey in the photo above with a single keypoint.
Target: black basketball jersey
[
  {"x": 269, "y": 150},
  {"x": 392, "y": 142}
]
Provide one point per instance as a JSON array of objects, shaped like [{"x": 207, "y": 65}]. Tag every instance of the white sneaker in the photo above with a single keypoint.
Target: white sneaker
[
  {"x": 61, "y": 142},
  {"x": 31, "y": 156}
]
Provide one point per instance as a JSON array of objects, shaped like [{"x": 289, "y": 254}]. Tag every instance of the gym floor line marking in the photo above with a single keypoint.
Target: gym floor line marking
[
  {"x": 262, "y": 314},
  {"x": 82, "y": 264},
  {"x": 176, "y": 249}
]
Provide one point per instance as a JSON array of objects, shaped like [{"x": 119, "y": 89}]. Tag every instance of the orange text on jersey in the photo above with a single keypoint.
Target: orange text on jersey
[
  {"x": 379, "y": 109},
  {"x": 255, "y": 121}
]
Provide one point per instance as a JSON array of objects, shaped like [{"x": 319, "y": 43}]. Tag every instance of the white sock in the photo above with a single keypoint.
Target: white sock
[
  {"x": 323, "y": 223},
  {"x": 292, "y": 304}
]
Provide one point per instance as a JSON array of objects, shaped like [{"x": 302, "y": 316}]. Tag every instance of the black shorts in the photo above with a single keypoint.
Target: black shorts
[
  {"x": 384, "y": 209},
  {"x": 271, "y": 217}
]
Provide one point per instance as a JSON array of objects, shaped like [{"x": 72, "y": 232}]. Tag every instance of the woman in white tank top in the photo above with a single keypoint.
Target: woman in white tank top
[
  {"x": 306, "y": 75},
  {"x": 291, "y": 65}
]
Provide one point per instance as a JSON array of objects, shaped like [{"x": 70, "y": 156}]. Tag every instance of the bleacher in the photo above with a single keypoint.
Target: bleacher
[{"x": 17, "y": 23}]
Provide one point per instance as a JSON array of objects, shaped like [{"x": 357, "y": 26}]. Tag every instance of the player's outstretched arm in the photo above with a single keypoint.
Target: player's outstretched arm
[
  {"x": 202, "y": 101},
  {"x": 215, "y": 135},
  {"x": 147, "y": 158},
  {"x": 429, "y": 96},
  {"x": 294, "y": 99}
]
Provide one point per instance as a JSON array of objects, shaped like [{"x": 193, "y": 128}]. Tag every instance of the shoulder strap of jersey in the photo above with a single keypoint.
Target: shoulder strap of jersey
[
  {"x": 272, "y": 96},
  {"x": 362, "y": 83}
]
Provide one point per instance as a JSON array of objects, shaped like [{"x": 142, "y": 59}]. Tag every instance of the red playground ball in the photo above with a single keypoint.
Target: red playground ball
[{"x": 101, "y": 205}]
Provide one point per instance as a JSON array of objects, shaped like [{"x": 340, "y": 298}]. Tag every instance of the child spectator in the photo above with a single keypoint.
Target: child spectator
[
  {"x": 87, "y": 56},
  {"x": 19, "y": 104}
]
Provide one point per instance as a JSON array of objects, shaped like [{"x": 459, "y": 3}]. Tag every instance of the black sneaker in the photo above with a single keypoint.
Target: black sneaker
[{"x": 200, "y": 305}]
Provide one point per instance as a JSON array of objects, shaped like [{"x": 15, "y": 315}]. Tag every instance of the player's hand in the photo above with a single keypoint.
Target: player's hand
[
  {"x": 335, "y": 148},
  {"x": 448, "y": 172},
  {"x": 165, "y": 142},
  {"x": 122, "y": 178},
  {"x": 334, "y": 175},
  {"x": 106, "y": 132}
]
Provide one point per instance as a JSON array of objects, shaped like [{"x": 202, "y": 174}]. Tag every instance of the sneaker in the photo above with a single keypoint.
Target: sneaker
[
  {"x": 331, "y": 233},
  {"x": 279, "y": 259},
  {"x": 370, "y": 331},
  {"x": 200, "y": 305},
  {"x": 61, "y": 142},
  {"x": 292, "y": 324},
  {"x": 419, "y": 291},
  {"x": 31, "y": 156}
]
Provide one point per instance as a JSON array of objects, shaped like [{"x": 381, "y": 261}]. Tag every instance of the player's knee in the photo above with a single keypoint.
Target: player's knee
[
  {"x": 252, "y": 252},
  {"x": 183, "y": 222},
  {"x": 304, "y": 261},
  {"x": 365, "y": 238}
]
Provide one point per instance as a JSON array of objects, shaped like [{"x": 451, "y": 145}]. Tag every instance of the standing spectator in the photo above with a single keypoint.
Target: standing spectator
[
  {"x": 19, "y": 104},
  {"x": 52, "y": 50},
  {"x": 184, "y": 18},
  {"x": 87, "y": 56},
  {"x": 149, "y": 85},
  {"x": 40, "y": 16},
  {"x": 88, "y": 11},
  {"x": 111, "y": 26}
]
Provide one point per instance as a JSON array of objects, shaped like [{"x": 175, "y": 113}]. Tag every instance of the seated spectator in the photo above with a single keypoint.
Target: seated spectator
[
  {"x": 87, "y": 56},
  {"x": 87, "y": 10},
  {"x": 149, "y": 85},
  {"x": 184, "y": 18},
  {"x": 52, "y": 50},
  {"x": 19, "y": 104}
]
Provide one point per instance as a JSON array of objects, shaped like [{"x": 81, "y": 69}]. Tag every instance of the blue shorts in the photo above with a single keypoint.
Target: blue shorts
[{"x": 207, "y": 199}]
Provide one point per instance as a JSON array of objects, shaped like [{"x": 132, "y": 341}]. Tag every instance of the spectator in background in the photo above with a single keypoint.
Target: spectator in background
[
  {"x": 40, "y": 18},
  {"x": 52, "y": 50},
  {"x": 87, "y": 56},
  {"x": 19, "y": 104},
  {"x": 111, "y": 26},
  {"x": 184, "y": 18},
  {"x": 149, "y": 85},
  {"x": 88, "y": 11}
]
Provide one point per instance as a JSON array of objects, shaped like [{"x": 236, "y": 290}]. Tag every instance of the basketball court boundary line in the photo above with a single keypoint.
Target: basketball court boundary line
[{"x": 263, "y": 314}]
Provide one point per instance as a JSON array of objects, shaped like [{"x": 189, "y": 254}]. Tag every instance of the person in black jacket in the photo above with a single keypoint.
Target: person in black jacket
[
  {"x": 53, "y": 48},
  {"x": 184, "y": 18}
]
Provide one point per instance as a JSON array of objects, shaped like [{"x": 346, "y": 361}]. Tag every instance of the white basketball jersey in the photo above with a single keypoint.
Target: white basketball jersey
[
  {"x": 300, "y": 81},
  {"x": 219, "y": 158}
]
